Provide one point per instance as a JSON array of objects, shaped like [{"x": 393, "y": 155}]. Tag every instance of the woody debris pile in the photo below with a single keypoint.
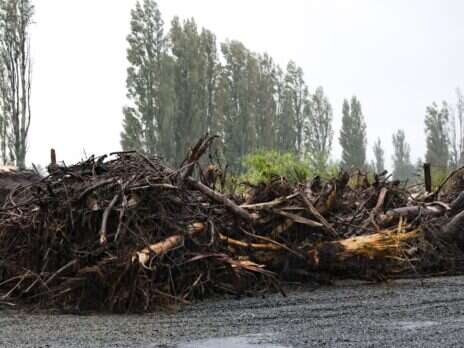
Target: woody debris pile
[{"x": 127, "y": 233}]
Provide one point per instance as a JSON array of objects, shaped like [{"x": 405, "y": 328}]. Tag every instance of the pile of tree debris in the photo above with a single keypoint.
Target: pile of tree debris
[{"x": 127, "y": 233}]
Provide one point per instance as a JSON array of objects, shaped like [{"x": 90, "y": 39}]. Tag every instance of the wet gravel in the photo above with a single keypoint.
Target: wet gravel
[{"x": 405, "y": 313}]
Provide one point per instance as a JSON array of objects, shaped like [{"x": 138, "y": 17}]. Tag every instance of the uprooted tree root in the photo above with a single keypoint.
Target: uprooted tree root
[{"x": 130, "y": 234}]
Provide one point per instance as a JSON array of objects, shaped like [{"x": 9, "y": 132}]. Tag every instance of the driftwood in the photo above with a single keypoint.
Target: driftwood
[
  {"x": 168, "y": 244},
  {"x": 219, "y": 198},
  {"x": 254, "y": 246},
  {"x": 127, "y": 233},
  {"x": 322, "y": 220},
  {"x": 453, "y": 231},
  {"x": 390, "y": 251},
  {"x": 412, "y": 212},
  {"x": 363, "y": 255}
]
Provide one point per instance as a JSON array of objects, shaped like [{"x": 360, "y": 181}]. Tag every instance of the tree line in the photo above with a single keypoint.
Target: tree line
[
  {"x": 444, "y": 131},
  {"x": 182, "y": 83}
]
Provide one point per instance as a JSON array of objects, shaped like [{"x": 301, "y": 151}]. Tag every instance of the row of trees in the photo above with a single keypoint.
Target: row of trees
[
  {"x": 444, "y": 130},
  {"x": 181, "y": 84}
]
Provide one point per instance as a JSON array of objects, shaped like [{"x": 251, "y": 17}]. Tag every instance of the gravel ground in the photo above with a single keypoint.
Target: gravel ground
[{"x": 405, "y": 313}]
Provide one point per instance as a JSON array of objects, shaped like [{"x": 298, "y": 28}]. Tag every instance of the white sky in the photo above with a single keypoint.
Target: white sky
[{"x": 397, "y": 56}]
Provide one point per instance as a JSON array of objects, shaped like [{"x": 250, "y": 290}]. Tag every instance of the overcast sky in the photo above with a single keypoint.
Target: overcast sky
[{"x": 397, "y": 56}]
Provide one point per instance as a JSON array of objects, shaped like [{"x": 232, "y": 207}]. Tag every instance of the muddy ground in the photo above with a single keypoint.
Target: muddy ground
[{"x": 404, "y": 313}]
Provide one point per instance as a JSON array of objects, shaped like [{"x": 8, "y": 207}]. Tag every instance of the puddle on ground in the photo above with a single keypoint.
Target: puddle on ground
[
  {"x": 253, "y": 341},
  {"x": 414, "y": 325}
]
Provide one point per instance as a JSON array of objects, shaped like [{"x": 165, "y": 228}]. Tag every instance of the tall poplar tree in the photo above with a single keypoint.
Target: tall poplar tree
[
  {"x": 437, "y": 139},
  {"x": 353, "y": 135},
  {"x": 286, "y": 133},
  {"x": 239, "y": 121},
  {"x": 15, "y": 78},
  {"x": 297, "y": 92},
  {"x": 379, "y": 154},
  {"x": 457, "y": 132},
  {"x": 266, "y": 105},
  {"x": 210, "y": 74},
  {"x": 318, "y": 130},
  {"x": 147, "y": 117},
  {"x": 190, "y": 114},
  {"x": 402, "y": 166}
]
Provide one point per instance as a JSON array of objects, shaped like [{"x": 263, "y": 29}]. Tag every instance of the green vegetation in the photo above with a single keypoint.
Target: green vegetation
[
  {"x": 379, "y": 157},
  {"x": 319, "y": 132},
  {"x": 436, "y": 130},
  {"x": 403, "y": 168},
  {"x": 182, "y": 83},
  {"x": 438, "y": 176},
  {"x": 353, "y": 138},
  {"x": 264, "y": 165}
]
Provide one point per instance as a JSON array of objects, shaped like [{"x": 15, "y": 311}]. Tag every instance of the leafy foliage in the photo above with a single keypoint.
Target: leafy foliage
[
  {"x": 147, "y": 117},
  {"x": 297, "y": 94},
  {"x": 353, "y": 135},
  {"x": 379, "y": 157},
  {"x": 319, "y": 133},
  {"x": 438, "y": 176},
  {"x": 182, "y": 83},
  {"x": 402, "y": 167},
  {"x": 265, "y": 165},
  {"x": 436, "y": 130},
  {"x": 457, "y": 132}
]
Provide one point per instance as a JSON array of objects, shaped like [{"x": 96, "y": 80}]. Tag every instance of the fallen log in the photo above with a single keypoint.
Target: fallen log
[
  {"x": 389, "y": 252},
  {"x": 160, "y": 248},
  {"x": 251, "y": 246},
  {"x": 429, "y": 209},
  {"x": 318, "y": 216},
  {"x": 271, "y": 204},
  {"x": 127, "y": 233},
  {"x": 453, "y": 231},
  {"x": 220, "y": 198},
  {"x": 411, "y": 212},
  {"x": 363, "y": 256}
]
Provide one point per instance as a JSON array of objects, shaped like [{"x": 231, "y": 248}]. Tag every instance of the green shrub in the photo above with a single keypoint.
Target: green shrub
[
  {"x": 262, "y": 166},
  {"x": 331, "y": 170},
  {"x": 438, "y": 176}
]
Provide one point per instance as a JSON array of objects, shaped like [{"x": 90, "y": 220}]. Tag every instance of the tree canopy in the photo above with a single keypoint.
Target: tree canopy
[{"x": 353, "y": 135}]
